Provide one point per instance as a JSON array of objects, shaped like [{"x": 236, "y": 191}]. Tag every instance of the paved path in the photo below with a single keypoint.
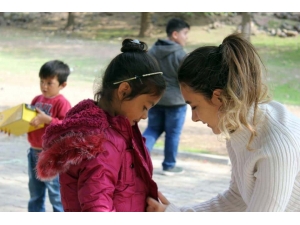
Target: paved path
[{"x": 201, "y": 181}]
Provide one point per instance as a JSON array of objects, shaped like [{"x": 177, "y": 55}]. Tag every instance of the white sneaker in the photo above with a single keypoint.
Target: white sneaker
[{"x": 172, "y": 171}]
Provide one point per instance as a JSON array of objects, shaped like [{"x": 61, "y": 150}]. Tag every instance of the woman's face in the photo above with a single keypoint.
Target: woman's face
[{"x": 202, "y": 109}]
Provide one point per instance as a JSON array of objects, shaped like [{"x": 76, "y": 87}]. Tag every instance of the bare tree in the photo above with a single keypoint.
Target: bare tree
[
  {"x": 71, "y": 21},
  {"x": 246, "y": 24},
  {"x": 146, "y": 24},
  {"x": 2, "y": 20}
]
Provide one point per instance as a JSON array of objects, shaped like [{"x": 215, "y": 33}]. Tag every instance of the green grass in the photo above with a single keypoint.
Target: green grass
[
  {"x": 18, "y": 63},
  {"x": 160, "y": 145},
  {"x": 287, "y": 93},
  {"x": 109, "y": 34},
  {"x": 281, "y": 57},
  {"x": 21, "y": 61}
]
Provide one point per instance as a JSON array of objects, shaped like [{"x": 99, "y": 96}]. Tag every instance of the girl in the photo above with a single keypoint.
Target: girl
[
  {"x": 223, "y": 85},
  {"x": 98, "y": 149}
]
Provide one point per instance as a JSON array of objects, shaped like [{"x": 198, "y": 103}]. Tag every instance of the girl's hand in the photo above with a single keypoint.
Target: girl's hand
[{"x": 155, "y": 206}]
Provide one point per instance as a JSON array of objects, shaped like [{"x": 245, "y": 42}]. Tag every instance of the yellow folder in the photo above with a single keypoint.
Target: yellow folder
[{"x": 16, "y": 120}]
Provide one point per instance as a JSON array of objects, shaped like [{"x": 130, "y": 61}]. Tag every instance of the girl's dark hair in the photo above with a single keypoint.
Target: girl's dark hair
[
  {"x": 133, "y": 61},
  {"x": 234, "y": 67}
]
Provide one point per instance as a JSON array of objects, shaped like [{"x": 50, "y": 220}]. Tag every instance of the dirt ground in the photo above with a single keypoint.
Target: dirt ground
[{"x": 16, "y": 89}]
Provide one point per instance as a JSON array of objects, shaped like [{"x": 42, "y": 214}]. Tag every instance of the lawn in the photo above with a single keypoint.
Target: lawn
[
  {"x": 23, "y": 52},
  {"x": 281, "y": 57}
]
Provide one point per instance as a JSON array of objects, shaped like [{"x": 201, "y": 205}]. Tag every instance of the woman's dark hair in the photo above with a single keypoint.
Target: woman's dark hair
[
  {"x": 234, "y": 67},
  {"x": 134, "y": 61}
]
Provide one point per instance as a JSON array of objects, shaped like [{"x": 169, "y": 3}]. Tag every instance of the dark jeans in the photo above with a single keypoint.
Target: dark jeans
[
  {"x": 169, "y": 120},
  {"x": 37, "y": 188}
]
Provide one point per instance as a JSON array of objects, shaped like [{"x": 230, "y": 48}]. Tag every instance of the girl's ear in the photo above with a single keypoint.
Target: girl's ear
[
  {"x": 216, "y": 100},
  {"x": 124, "y": 90}
]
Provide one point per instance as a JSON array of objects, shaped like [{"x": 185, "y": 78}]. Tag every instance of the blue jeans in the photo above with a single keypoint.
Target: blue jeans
[
  {"x": 169, "y": 120},
  {"x": 37, "y": 188}
]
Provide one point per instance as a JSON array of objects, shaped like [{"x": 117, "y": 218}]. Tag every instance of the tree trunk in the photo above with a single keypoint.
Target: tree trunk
[
  {"x": 71, "y": 21},
  {"x": 2, "y": 20},
  {"x": 146, "y": 24},
  {"x": 246, "y": 24}
]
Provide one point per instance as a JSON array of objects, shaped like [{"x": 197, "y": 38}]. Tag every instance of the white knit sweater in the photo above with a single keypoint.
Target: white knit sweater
[{"x": 266, "y": 179}]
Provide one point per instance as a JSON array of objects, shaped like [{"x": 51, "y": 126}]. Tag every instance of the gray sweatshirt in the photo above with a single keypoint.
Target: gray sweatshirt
[{"x": 169, "y": 55}]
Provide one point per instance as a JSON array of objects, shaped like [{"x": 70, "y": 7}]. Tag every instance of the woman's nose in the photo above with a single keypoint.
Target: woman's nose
[{"x": 194, "y": 117}]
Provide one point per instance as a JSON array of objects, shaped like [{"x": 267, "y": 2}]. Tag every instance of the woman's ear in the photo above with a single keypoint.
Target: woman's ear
[
  {"x": 124, "y": 90},
  {"x": 216, "y": 97}
]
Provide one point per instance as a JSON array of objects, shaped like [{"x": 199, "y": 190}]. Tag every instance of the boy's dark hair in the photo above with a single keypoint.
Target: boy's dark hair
[
  {"x": 133, "y": 62},
  {"x": 176, "y": 24},
  {"x": 55, "y": 68}
]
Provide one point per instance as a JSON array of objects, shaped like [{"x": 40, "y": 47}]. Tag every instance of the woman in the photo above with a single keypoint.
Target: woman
[{"x": 224, "y": 87}]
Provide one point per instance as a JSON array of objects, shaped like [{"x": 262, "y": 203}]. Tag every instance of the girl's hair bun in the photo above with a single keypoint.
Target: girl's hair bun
[{"x": 130, "y": 45}]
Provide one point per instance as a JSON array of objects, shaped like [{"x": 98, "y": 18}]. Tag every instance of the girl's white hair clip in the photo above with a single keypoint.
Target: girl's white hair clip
[{"x": 135, "y": 41}]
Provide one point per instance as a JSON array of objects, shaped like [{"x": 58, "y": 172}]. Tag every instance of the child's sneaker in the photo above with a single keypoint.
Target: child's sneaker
[{"x": 172, "y": 171}]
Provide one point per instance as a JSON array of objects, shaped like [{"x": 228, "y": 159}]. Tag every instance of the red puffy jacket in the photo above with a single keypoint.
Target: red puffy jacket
[{"x": 102, "y": 161}]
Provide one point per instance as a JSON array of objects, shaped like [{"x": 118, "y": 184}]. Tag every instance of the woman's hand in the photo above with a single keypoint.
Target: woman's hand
[{"x": 155, "y": 206}]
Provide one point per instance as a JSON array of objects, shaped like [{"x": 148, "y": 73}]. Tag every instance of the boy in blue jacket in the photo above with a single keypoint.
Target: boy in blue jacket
[{"x": 169, "y": 114}]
